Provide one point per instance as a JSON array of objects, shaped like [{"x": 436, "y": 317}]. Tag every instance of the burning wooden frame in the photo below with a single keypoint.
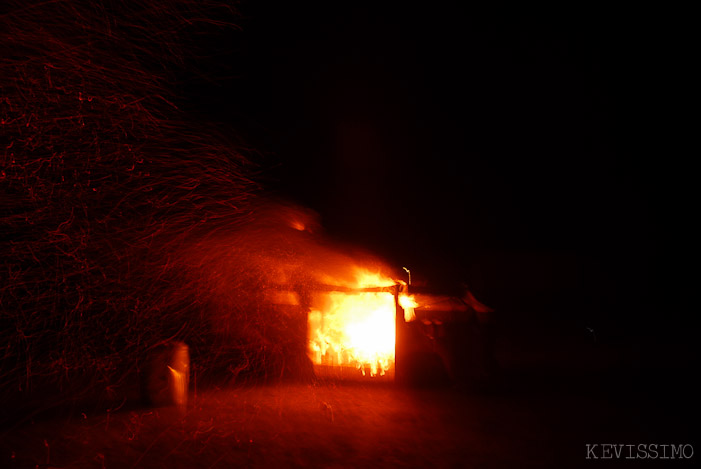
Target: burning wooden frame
[
  {"x": 382, "y": 334},
  {"x": 352, "y": 332}
]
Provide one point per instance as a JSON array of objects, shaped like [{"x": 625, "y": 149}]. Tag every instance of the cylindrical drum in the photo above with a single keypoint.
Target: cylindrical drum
[{"x": 167, "y": 375}]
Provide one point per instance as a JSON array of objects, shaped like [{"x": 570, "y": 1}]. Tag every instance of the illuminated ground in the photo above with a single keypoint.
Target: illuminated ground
[
  {"x": 529, "y": 418},
  {"x": 296, "y": 426}
]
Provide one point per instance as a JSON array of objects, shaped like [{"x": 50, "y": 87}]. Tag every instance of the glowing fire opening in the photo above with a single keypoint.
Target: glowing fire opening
[{"x": 356, "y": 329}]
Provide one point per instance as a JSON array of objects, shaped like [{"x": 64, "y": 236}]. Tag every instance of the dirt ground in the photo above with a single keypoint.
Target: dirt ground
[
  {"x": 295, "y": 425},
  {"x": 528, "y": 417}
]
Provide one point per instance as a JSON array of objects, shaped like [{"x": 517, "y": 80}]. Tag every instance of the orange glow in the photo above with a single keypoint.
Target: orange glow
[
  {"x": 408, "y": 303},
  {"x": 355, "y": 329},
  {"x": 297, "y": 225}
]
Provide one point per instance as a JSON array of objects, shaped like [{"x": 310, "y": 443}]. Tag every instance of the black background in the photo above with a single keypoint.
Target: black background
[{"x": 512, "y": 152}]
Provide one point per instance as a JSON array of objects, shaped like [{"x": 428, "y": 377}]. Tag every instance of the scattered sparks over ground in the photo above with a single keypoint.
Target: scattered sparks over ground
[
  {"x": 123, "y": 225},
  {"x": 103, "y": 183}
]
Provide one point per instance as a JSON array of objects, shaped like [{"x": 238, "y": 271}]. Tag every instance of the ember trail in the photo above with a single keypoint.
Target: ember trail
[
  {"x": 126, "y": 227},
  {"x": 104, "y": 184}
]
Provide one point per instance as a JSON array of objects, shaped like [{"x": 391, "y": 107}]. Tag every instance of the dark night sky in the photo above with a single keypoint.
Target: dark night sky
[{"x": 508, "y": 152}]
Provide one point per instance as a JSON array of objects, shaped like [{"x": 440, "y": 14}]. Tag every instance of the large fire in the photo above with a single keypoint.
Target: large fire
[{"x": 355, "y": 327}]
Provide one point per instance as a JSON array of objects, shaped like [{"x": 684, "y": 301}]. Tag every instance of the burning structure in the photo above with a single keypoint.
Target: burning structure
[
  {"x": 314, "y": 302},
  {"x": 286, "y": 301},
  {"x": 354, "y": 329},
  {"x": 124, "y": 226}
]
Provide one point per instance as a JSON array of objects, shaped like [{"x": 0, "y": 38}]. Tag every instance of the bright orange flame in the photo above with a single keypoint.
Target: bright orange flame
[
  {"x": 408, "y": 303},
  {"x": 355, "y": 329}
]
